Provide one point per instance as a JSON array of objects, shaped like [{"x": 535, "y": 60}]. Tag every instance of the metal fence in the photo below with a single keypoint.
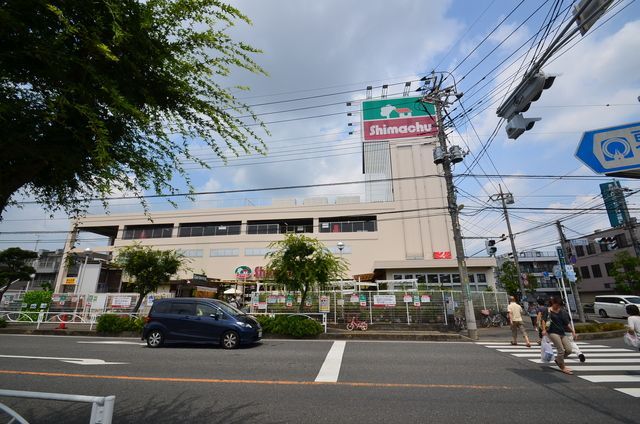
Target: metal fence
[{"x": 380, "y": 307}]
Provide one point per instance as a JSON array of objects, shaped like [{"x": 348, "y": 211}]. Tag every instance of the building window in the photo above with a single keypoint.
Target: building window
[
  {"x": 609, "y": 267},
  {"x": 597, "y": 272},
  {"x": 482, "y": 278},
  {"x": 433, "y": 279},
  {"x": 224, "y": 252},
  {"x": 132, "y": 232},
  {"x": 445, "y": 279},
  {"x": 349, "y": 224},
  {"x": 397, "y": 277},
  {"x": 472, "y": 278},
  {"x": 584, "y": 271},
  {"x": 257, "y": 251},
  {"x": 191, "y": 253},
  {"x": 621, "y": 241},
  {"x": 280, "y": 226},
  {"x": 209, "y": 229},
  {"x": 607, "y": 285},
  {"x": 579, "y": 251},
  {"x": 591, "y": 249}
]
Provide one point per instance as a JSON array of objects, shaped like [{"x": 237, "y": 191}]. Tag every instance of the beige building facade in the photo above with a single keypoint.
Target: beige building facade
[{"x": 408, "y": 236}]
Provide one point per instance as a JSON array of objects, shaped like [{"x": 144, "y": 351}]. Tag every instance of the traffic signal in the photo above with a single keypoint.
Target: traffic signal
[
  {"x": 491, "y": 247},
  {"x": 520, "y": 100},
  {"x": 609, "y": 242},
  {"x": 518, "y": 124}
]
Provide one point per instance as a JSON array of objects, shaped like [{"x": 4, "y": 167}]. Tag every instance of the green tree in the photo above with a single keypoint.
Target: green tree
[
  {"x": 508, "y": 277},
  {"x": 301, "y": 263},
  {"x": 105, "y": 95},
  {"x": 625, "y": 272},
  {"x": 148, "y": 268},
  {"x": 14, "y": 267}
]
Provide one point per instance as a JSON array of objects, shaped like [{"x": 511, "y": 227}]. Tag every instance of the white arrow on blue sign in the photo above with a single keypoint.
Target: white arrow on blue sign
[{"x": 613, "y": 150}]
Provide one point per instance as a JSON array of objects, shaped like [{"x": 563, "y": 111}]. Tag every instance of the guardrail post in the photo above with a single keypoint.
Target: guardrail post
[{"x": 102, "y": 414}]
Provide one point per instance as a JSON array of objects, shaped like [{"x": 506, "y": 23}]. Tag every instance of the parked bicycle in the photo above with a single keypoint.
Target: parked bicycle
[
  {"x": 459, "y": 323},
  {"x": 356, "y": 323},
  {"x": 492, "y": 320}
]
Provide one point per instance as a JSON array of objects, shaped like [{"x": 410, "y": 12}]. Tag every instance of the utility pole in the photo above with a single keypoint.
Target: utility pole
[
  {"x": 445, "y": 156},
  {"x": 574, "y": 287},
  {"x": 508, "y": 198}
]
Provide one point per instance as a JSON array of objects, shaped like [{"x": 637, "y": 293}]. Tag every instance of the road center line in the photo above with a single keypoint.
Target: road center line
[
  {"x": 331, "y": 366},
  {"x": 256, "y": 382}
]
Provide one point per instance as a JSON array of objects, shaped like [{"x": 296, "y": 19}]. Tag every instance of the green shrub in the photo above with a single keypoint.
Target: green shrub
[
  {"x": 113, "y": 324},
  {"x": 290, "y": 325},
  {"x": 36, "y": 297},
  {"x": 597, "y": 328},
  {"x": 3, "y": 323}
]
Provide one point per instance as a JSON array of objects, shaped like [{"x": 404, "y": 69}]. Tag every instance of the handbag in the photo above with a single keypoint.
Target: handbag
[
  {"x": 546, "y": 350},
  {"x": 631, "y": 340}
]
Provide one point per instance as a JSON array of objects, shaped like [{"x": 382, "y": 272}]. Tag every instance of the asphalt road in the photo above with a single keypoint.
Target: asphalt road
[{"x": 275, "y": 382}]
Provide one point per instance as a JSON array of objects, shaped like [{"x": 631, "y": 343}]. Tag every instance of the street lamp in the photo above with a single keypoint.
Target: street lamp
[
  {"x": 340, "y": 247},
  {"x": 82, "y": 271},
  {"x": 30, "y": 282}
]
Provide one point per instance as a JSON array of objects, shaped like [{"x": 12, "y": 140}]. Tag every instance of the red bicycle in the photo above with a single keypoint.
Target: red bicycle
[{"x": 356, "y": 323}]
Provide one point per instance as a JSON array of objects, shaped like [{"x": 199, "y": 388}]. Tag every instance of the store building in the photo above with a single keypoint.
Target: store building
[{"x": 400, "y": 230}]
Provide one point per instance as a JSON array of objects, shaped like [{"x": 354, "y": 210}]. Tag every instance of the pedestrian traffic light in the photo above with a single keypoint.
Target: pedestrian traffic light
[
  {"x": 529, "y": 90},
  {"x": 491, "y": 247}
]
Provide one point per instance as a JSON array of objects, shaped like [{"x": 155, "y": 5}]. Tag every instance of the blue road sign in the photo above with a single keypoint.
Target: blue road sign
[{"x": 611, "y": 150}]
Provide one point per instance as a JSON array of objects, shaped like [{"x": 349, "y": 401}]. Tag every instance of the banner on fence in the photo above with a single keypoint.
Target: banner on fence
[
  {"x": 323, "y": 300},
  {"x": 363, "y": 300},
  {"x": 384, "y": 300},
  {"x": 120, "y": 302}
]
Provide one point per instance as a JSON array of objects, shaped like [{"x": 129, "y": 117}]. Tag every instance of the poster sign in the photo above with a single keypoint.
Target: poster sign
[
  {"x": 402, "y": 117},
  {"x": 289, "y": 302},
  {"x": 384, "y": 300},
  {"x": 282, "y": 299},
  {"x": 271, "y": 299},
  {"x": 354, "y": 298},
  {"x": 308, "y": 302},
  {"x": 70, "y": 280},
  {"x": 407, "y": 298},
  {"x": 323, "y": 301},
  {"x": 120, "y": 302},
  {"x": 416, "y": 301},
  {"x": 363, "y": 300},
  {"x": 425, "y": 298},
  {"x": 262, "y": 305}
]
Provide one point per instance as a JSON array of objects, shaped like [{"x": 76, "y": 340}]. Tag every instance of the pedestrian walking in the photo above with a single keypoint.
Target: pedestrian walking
[
  {"x": 533, "y": 314},
  {"x": 555, "y": 322},
  {"x": 515, "y": 320},
  {"x": 632, "y": 338},
  {"x": 540, "y": 309}
]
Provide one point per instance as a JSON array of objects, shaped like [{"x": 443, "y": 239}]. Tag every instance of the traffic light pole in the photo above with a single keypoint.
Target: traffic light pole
[
  {"x": 455, "y": 222},
  {"x": 574, "y": 287},
  {"x": 514, "y": 252}
]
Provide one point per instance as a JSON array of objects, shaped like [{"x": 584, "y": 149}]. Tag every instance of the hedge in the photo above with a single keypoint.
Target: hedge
[
  {"x": 297, "y": 326},
  {"x": 598, "y": 328},
  {"x": 113, "y": 324}
]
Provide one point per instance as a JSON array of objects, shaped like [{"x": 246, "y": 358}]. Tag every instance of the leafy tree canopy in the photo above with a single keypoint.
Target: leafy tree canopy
[
  {"x": 301, "y": 263},
  {"x": 14, "y": 266},
  {"x": 625, "y": 272},
  {"x": 105, "y": 95},
  {"x": 149, "y": 268},
  {"x": 508, "y": 277}
]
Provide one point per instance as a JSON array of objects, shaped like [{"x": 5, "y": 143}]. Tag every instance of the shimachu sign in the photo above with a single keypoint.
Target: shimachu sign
[{"x": 403, "y": 117}]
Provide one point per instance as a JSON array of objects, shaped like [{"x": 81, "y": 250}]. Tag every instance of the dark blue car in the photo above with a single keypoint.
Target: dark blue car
[{"x": 197, "y": 320}]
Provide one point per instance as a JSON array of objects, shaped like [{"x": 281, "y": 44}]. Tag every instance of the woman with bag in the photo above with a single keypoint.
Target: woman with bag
[{"x": 554, "y": 322}]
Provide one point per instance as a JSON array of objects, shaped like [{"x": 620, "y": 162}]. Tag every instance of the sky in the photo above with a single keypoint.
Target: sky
[{"x": 321, "y": 55}]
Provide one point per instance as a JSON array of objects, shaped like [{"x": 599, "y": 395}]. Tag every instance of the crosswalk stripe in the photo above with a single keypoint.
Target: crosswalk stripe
[
  {"x": 631, "y": 391},
  {"x": 597, "y": 361},
  {"x": 616, "y": 378},
  {"x": 611, "y": 362},
  {"x": 589, "y": 355}
]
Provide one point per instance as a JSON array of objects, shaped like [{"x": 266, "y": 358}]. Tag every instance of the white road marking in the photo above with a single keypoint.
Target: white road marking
[
  {"x": 616, "y": 378},
  {"x": 591, "y": 360},
  {"x": 78, "y": 361},
  {"x": 331, "y": 366},
  {"x": 589, "y": 355},
  {"x": 115, "y": 342},
  {"x": 585, "y": 351},
  {"x": 535, "y": 346},
  {"x": 635, "y": 392},
  {"x": 579, "y": 367}
]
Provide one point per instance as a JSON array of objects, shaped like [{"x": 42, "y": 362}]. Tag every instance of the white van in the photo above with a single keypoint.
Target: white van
[{"x": 614, "y": 305}]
